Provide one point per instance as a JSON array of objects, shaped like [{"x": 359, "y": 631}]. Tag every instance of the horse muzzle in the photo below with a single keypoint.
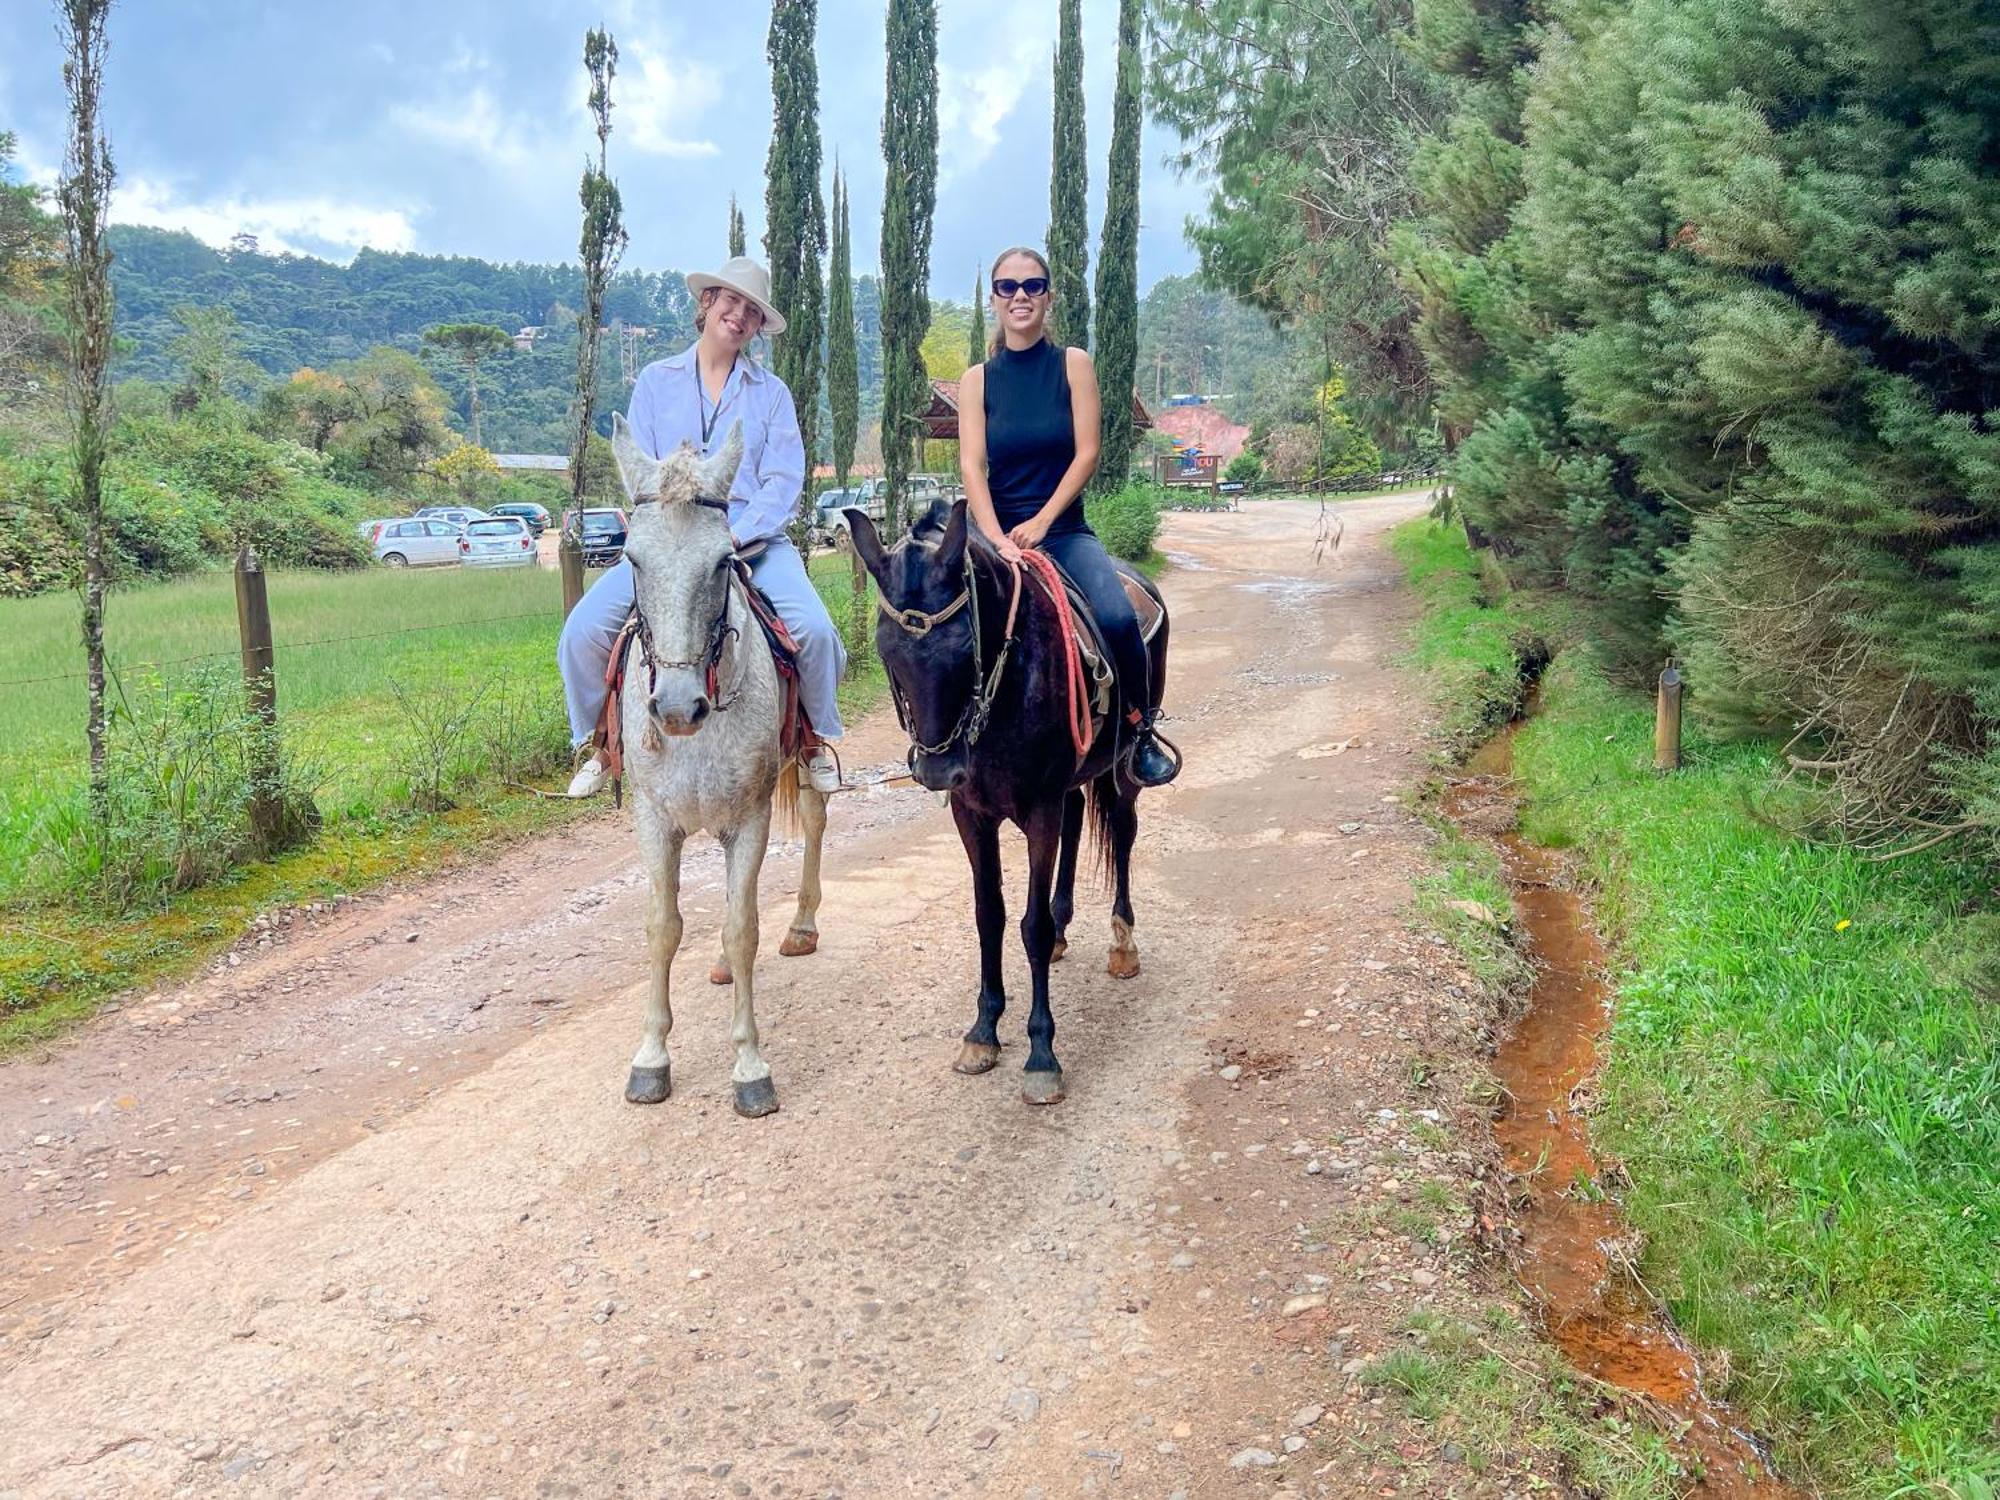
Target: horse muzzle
[
  {"x": 678, "y": 716},
  {"x": 945, "y": 772}
]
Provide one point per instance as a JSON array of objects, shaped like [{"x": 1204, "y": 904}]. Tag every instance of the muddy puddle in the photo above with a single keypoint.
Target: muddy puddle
[{"x": 1575, "y": 1253}]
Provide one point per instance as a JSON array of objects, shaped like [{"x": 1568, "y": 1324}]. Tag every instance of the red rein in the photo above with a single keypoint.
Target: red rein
[{"x": 1044, "y": 568}]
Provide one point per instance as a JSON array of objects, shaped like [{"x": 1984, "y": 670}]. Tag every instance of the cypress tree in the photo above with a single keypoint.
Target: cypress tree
[
  {"x": 975, "y": 337},
  {"x": 1069, "y": 188},
  {"x": 794, "y": 213},
  {"x": 738, "y": 243},
  {"x": 843, "y": 392},
  {"x": 1117, "y": 343},
  {"x": 909, "y": 200},
  {"x": 843, "y": 358}
]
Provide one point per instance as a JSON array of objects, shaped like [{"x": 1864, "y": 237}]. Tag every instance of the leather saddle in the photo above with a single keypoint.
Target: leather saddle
[{"x": 1146, "y": 604}]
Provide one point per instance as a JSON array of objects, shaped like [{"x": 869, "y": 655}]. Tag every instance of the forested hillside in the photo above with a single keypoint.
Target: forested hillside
[{"x": 293, "y": 312}]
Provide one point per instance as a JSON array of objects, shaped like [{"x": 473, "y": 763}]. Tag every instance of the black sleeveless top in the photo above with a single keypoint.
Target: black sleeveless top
[{"x": 1030, "y": 433}]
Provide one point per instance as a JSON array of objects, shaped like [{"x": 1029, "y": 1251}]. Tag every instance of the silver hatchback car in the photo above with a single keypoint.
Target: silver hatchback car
[
  {"x": 496, "y": 542},
  {"x": 416, "y": 543}
]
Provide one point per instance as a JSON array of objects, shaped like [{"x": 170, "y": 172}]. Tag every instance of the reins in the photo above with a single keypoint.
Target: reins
[{"x": 972, "y": 719}]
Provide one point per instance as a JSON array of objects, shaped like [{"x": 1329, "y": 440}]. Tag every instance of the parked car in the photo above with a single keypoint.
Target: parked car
[
  {"x": 459, "y": 514},
  {"x": 369, "y": 530},
  {"x": 603, "y": 536},
  {"x": 496, "y": 542},
  {"x": 535, "y": 515},
  {"x": 871, "y": 496},
  {"x": 416, "y": 543}
]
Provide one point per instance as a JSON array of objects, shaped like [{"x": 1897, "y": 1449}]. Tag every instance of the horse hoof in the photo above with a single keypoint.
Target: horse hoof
[
  {"x": 720, "y": 975},
  {"x": 1042, "y": 1088},
  {"x": 976, "y": 1057},
  {"x": 756, "y": 1099},
  {"x": 649, "y": 1085},
  {"x": 1124, "y": 963},
  {"x": 1056, "y": 953},
  {"x": 799, "y": 944}
]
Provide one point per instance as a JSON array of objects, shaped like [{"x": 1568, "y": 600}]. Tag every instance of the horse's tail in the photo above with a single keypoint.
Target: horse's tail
[
  {"x": 785, "y": 800},
  {"x": 1102, "y": 802}
]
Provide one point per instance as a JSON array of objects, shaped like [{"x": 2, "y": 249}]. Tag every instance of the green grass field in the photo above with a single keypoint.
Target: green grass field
[
  {"x": 1803, "y": 1078},
  {"x": 389, "y": 684}
]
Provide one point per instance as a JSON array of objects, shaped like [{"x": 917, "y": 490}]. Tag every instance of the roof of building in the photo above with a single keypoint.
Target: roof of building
[{"x": 547, "y": 463}]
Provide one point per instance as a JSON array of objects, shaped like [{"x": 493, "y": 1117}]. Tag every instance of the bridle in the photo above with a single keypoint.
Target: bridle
[
  {"x": 719, "y": 634},
  {"x": 971, "y": 723}
]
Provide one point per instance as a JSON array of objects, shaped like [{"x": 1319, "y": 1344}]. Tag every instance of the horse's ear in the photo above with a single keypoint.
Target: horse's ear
[
  {"x": 933, "y": 520},
  {"x": 867, "y": 542},
  {"x": 951, "y": 549},
  {"x": 638, "y": 471},
  {"x": 720, "y": 472}
]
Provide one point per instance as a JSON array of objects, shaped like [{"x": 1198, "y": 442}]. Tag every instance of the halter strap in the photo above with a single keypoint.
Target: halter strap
[{"x": 915, "y": 622}]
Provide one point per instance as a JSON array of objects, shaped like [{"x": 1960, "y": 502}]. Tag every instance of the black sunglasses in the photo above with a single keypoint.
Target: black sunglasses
[{"x": 1007, "y": 286}]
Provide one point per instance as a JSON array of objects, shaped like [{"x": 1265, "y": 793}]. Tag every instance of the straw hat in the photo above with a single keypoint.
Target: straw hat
[{"x": 746, "y": 277}]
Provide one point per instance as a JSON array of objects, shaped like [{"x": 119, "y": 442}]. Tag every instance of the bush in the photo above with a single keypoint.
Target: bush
[
  {"x": 1126, "y": 520},
  {"x": 178, "y": 768},
  {"x": 1245, "y": 468}
]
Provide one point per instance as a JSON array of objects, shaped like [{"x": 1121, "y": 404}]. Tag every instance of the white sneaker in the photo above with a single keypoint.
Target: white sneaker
[
  {"x": 822, "y": 770},
  {"x": 589, "y": 778}
]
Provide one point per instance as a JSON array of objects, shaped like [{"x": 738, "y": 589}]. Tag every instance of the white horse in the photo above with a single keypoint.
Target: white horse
[{"x": 700, "y": 720}]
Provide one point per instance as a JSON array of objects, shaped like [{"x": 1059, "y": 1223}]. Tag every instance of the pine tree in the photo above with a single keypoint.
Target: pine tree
[
  {"x": 1069, "y": 188},
  {"x": 84, "y": 192},
  {"x": 471, "y": 344},
  {"x": 975, "y": 338},
  {"x": 599, "y": 247},
  {"x": 1117, "y": 342},
  {"x": 794, "y": 213},
  {"x": 738, "y": 242},
  {"x": 909, "y": 200}
]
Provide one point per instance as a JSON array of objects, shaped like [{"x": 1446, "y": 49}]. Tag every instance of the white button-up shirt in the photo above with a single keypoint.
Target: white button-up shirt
[{"x": 670, "y": 406}]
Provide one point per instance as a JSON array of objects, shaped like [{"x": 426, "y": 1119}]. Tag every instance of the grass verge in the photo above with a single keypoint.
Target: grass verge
[
  {"x": 1802, "y": 1075},
  {"x": 408, "y": 696}
]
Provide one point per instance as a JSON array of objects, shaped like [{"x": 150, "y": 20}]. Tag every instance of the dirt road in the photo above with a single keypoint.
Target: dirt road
[{"x": 361, "y": 1212}]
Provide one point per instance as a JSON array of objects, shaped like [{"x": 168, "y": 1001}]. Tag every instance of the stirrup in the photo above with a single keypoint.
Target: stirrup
[{"x": 1128, "y": 758}]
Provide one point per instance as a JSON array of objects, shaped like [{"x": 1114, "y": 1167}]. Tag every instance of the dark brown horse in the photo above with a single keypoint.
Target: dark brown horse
[{"x": 975, "y": 655}]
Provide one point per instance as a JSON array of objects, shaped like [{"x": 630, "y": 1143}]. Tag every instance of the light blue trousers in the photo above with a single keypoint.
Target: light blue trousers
[{"x": 592, "y": 629}]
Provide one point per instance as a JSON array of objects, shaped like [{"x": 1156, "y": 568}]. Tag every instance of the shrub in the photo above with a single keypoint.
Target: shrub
[
  {"x": 1126, "y": 520},
  {"x": 1245, "y": 468}
]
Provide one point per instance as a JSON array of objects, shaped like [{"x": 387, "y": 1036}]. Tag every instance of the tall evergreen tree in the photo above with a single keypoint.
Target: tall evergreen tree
[
  {"x": 599, "y": 247},
  {"x": 909, "y": 200},
  {"x": 794, "y": 213},
  {"x": 471, "y": 344},
  {"x": 843, "y": 391},
  {"x": 1117, "y": 343},
  {"x": 975, "y": 337},
  {"x": 738, "y": 242},
  {"x": 84, "y": 191},
  {"x": 1069, "y": 188},
  {"x": 843, "y": 360}
]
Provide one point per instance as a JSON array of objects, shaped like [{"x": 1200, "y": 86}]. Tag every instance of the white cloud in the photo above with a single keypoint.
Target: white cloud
[
  {"x": 474, "y": 124},
  {"x": 657, "y": 102},
  {"x": 973, "y": 103},
  {"x": 312, "y": 226}
]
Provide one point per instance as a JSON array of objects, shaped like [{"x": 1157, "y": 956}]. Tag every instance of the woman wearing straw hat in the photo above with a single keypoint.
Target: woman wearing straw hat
[{"x": 695, "y": 397}]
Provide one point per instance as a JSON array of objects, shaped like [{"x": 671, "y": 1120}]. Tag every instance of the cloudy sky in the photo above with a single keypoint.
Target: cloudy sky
[{"x": 459, "y": 129}]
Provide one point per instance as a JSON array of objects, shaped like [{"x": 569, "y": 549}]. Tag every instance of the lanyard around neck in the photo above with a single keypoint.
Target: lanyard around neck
[{"x": 708, "y": 418}]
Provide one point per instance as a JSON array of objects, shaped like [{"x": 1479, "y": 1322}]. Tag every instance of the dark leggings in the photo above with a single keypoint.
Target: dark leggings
[{"x": 1082, "y": 556}]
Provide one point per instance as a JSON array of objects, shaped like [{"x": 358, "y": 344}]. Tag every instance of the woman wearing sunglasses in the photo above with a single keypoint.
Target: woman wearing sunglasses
[
  {"x": 1027, "y": 446},
  {"x": 696, "y": 397}
]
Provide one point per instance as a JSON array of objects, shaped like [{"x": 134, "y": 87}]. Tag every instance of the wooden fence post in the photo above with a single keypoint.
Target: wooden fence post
[
  {"x": 1667, "y": 721},
  {"x": 569, "y": 554},
  {"x": 260, "y": 691}
]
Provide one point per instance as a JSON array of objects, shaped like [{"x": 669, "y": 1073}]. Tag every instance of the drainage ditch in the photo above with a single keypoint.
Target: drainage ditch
[{"x": 1574, "y": 1255}]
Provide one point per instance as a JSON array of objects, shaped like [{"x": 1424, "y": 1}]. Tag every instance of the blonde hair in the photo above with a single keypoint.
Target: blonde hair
[{"x": 993, "y": 344}]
